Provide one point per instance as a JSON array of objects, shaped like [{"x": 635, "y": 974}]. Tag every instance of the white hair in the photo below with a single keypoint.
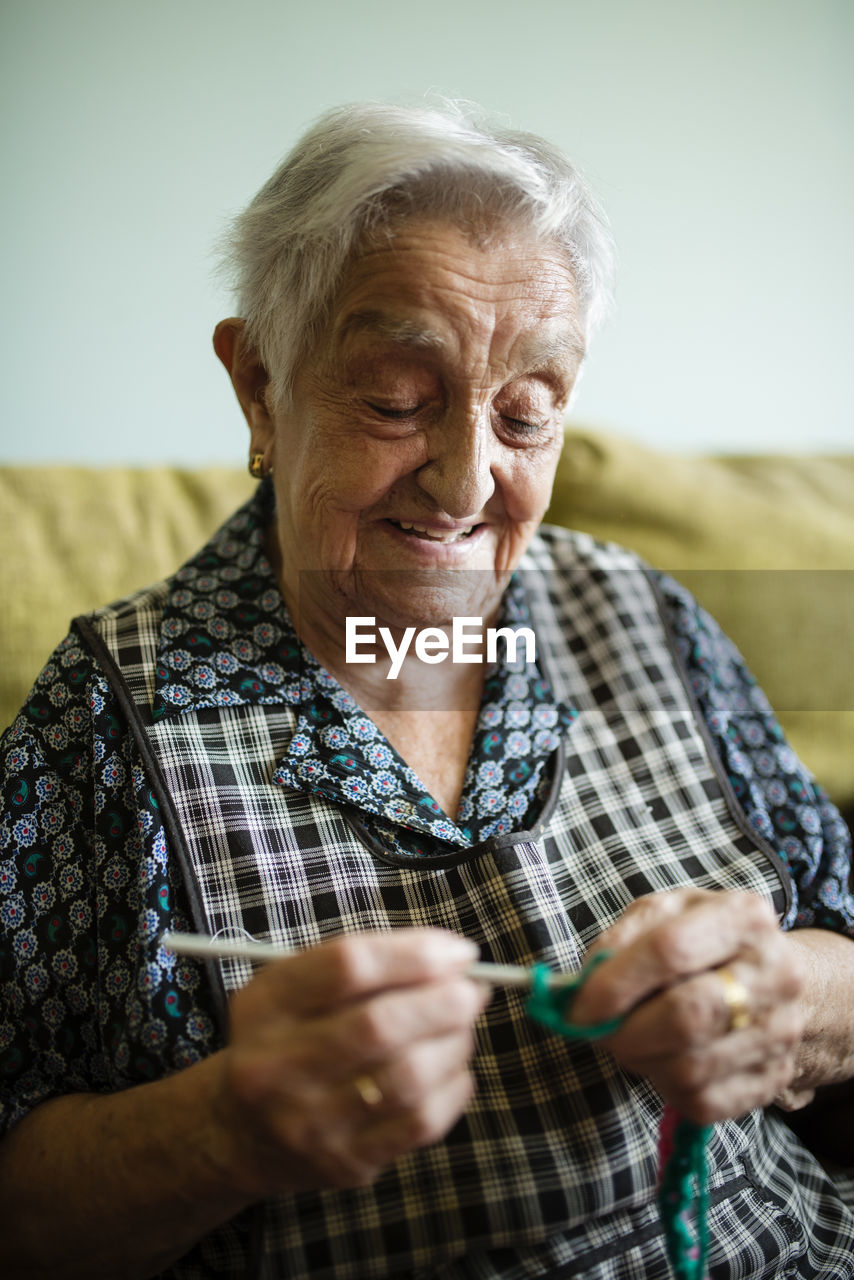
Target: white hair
[{"x": 365, "y": 167}]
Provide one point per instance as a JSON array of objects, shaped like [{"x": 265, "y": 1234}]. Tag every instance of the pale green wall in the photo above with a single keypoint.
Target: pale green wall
[{"x": 718, "y": 134}]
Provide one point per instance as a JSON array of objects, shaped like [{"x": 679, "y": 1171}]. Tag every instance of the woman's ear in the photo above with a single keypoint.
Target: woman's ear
[{"x": 249, "y": 379}]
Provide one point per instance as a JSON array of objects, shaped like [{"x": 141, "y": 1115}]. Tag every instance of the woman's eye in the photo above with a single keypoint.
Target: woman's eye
[
  {"x": 523, "y": 427},
  {"x": 395, "y": 415}
]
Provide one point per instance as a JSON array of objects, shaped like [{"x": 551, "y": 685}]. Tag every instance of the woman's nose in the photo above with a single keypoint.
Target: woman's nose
[{"x": 458, "y": 474}]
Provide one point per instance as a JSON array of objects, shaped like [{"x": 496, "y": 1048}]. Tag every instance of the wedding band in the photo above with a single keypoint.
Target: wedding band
[
  {"x": 368, "y": 1090},
  {"x": 736, "y": 999}
]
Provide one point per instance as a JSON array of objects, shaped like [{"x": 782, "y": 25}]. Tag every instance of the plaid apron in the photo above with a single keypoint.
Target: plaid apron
[{"x": 552, "y": 1169}]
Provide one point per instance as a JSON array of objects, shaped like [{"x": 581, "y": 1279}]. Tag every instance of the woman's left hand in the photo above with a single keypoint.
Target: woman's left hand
[{"x": 711, "y": 991}]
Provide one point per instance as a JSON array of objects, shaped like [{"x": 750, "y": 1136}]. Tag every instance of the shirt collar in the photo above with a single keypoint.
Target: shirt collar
[
  {"x": 227, "y": 640},
  {"x": 337, "y": 751}
]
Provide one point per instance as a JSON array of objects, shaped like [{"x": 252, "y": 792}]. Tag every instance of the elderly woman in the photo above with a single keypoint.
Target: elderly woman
[{"x": 281, "y": 743}]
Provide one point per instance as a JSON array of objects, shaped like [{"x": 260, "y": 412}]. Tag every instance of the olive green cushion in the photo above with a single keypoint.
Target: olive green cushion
[
  {"x": 766, "y": 544},
  {"x": 754, "y": 538},
  {"x": 73, "y": 538}
]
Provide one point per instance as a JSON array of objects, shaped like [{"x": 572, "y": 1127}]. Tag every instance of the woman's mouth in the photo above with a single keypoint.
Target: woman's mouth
[{"x": 433, "y": 533}]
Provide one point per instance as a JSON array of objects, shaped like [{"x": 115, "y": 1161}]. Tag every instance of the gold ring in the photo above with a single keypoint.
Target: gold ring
[
  {"x": 736, "y": 999},
  {"x": 368, "y": 1090}
]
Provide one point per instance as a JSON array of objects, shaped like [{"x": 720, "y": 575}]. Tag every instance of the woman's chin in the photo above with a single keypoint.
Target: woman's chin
[{"x": 420, "y": 598}]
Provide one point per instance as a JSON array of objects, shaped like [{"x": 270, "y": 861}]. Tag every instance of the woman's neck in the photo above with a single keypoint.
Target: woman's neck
[{"x": 427, "y": 711}]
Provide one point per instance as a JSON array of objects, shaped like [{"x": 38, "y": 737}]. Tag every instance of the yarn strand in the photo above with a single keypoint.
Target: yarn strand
[{"x": 682, "y": 1190}]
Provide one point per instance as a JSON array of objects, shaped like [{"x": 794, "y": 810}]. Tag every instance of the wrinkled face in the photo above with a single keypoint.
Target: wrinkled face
[{"x": 425, "y": 430}]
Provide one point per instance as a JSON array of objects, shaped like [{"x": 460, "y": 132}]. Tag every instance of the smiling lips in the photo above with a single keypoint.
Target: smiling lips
[{"x": 428, "y": 534}]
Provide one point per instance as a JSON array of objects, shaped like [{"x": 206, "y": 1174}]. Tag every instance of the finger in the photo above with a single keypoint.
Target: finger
[
  {"x": 695, "y": 1013},
  {"x": 360, "y": 1036},
  {"x": 424, "y": 1123},
  {"x": 381, "y": 1029},
  {"x": 791, "y": 1098},
  {"x": 644, "y": 914},
  {"x": 702, "y": 933},
  {"x": 355, "y": 966},
  {"x": 362, "y": 1123},
  {"x": 699, "y": 1063},
  {"x": 733, "y": 1095},
  {"x": 405, "y": 1082}
]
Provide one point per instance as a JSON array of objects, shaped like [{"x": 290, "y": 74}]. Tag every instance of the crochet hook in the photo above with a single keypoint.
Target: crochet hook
[{"x": 204, "y": 947}]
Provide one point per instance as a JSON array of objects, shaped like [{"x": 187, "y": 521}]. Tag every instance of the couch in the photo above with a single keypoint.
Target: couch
[{"x": 766, "y": 543}]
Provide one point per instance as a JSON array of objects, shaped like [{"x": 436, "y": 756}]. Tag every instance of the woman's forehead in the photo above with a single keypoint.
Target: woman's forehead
[
  {"x": 432, "y": 290},
  {"x": 421, "y": 255}
]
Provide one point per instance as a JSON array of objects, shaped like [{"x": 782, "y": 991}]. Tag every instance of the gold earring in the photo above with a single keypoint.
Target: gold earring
[{"x": 256, "y": 466}]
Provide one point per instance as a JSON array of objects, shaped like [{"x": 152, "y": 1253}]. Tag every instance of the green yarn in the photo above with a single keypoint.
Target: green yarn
[
  {"x": 682, "y": 1144},
  {"x": 683, "y": 1170},
  {"x": 550, "y": 1003}
]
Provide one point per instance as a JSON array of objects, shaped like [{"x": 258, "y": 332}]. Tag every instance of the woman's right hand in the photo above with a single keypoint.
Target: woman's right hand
[{"x": 346, "y": 1056}]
